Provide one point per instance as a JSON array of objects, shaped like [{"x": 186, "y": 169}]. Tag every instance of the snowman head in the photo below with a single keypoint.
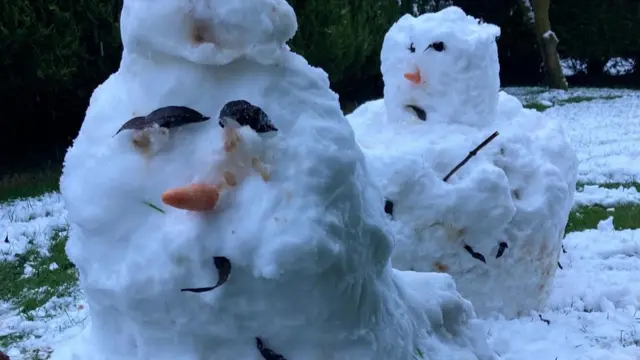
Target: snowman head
[
  {"x": 444, "y": 64},
  {"x": 208, "y": 32}
]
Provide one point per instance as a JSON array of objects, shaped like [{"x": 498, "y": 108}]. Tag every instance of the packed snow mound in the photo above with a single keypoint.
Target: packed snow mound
[
  {"x": 451, "y": 58},
  {"x": 497, "y": 224},
  {"x": 299, "y": 248}
]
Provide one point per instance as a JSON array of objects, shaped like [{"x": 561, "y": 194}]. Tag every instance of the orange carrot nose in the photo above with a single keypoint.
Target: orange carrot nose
[
  {"x": 414, "y": 77},
  {"x": 194, "y": 197}
]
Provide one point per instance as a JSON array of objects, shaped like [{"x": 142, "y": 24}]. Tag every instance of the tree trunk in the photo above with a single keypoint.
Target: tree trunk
[{"x": 548, "y": 42}]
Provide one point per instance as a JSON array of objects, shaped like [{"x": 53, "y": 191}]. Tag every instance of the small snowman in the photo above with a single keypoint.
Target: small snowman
[{"x": 497, "y": 224}]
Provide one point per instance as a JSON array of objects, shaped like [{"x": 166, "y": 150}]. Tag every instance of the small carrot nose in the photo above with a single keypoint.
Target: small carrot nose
[{"x": 414, "y": 77}]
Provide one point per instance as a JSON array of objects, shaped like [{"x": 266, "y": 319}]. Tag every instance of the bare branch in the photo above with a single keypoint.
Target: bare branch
[{"x": 472, "y": 153}]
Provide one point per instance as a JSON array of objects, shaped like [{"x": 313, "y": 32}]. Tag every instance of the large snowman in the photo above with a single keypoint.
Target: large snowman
[
  {"x": 220, "y": 207},
  {"x": 496, "y": 223}
]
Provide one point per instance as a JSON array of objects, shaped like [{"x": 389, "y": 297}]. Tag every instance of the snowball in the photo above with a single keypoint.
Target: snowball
[
  {"x": 304, "y": 251},
  {"x": 497, "y": 224}
]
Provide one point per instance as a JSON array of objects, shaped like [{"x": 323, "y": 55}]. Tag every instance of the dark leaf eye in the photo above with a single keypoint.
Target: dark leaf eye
[
  {"x": 412, "y": 48},
  {"x": 437, "y": 46}
]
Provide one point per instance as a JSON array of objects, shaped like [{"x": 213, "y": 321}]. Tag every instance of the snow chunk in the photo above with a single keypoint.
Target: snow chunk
[
  {"x": 304, "y": 251},
  {"x": 497, "y": 225},
  {"x": 550, "y": 35},
  {"x": 454, "y": 59},
  {"x": 606, "y": 224}
]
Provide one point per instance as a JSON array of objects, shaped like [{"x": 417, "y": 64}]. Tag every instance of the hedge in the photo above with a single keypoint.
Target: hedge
[{"x": 55, "y": 52}]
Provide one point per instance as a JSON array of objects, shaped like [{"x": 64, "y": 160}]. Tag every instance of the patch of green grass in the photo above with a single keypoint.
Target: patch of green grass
[
  {"x": 538, "y": 106},
  {"x": 28, "y": 293},
  {"x": 7, "y": 340},
  {"x": 29, "y": 184},
  {"x": 611, "y": 185},
  {"x": 625, "y": 216},
  {"x": 579, "y": 99}
]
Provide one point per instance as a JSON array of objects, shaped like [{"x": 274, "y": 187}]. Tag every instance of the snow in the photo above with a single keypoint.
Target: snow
[
  {"x": 605, "y": 134},
  {"x": 35, "y": 220},
  {"x": 594, "y": 194},
  {"x": 600, "y": 268},
  {"x": 573, "y": 66},
  {"x": 606, "y": 224},
  {"x": 619, "y": 66},
  {"x": 29, "y": 224},
  {"x": 549, "y": 34},
  {"x": 616, "y": 66},
  {"x": 496, "y": 226},
  {"x": 312, "y": 230},
  {"x": 593, "y": 308}
]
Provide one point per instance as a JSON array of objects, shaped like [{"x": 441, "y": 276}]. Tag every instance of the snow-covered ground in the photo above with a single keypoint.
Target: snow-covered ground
[
  {"x": 594, "y": 310},
  {"x": 603, "y": 126}
]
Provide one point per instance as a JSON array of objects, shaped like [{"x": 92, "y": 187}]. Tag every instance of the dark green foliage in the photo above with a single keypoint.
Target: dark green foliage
[
  {"x": 48, "y": 42},
  {"x": 344, "y": 37},
  {"x": 597, "y": 30},
  {"x": 589, "y": 30},
  {"x": 55, "y": 53}
]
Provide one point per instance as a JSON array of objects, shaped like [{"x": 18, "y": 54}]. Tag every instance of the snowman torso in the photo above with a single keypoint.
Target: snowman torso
[
  {"x": 509, "y": 204},
  {"x": 294, "y": 282}
]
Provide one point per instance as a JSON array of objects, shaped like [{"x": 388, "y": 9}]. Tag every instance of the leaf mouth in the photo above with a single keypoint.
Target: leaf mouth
[{"x": 420, "y": 113}]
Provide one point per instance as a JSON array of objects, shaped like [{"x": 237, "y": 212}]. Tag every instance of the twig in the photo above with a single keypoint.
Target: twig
[
  {"x": 472, "y": 153},
  {"x": 475, "y": 255},
  {"x": 154, "y": 207},
  {"x": 544, "y": 320}
]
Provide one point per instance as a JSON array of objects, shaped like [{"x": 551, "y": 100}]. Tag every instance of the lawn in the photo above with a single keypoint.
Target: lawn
[{"x": 28, "y": 184}]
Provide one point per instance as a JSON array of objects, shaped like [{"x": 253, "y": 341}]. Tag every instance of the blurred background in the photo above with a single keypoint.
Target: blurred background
[{"x": 55, "y": 52}]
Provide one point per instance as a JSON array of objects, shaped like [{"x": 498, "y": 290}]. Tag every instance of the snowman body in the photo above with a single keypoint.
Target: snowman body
[{"x": 309, "y": 248}]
